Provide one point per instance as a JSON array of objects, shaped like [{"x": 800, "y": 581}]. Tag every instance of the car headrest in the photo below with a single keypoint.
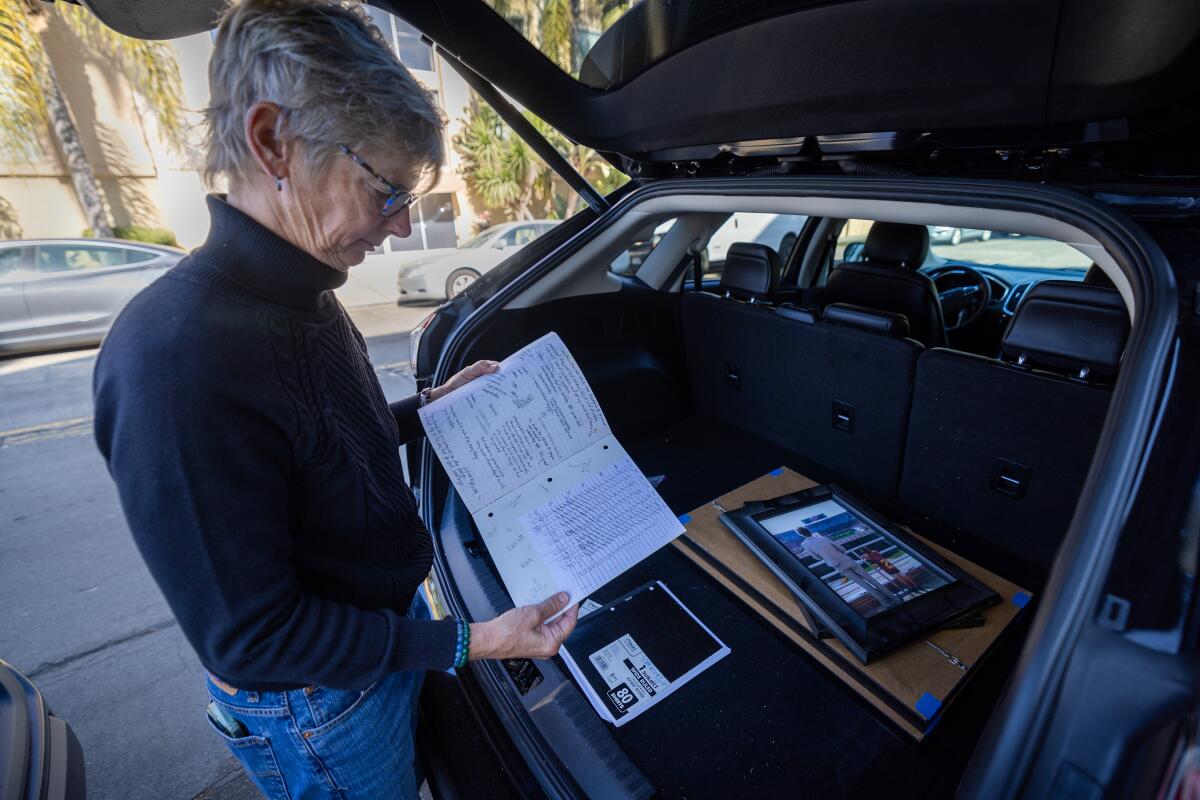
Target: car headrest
[
  {"x": 798, "y": 313},
  {"x": 751, "y": 271},
  {"x": 897, "y": 244},
  {"x": 868, "y": 319},
  {"x": 1062, "y": 325}
]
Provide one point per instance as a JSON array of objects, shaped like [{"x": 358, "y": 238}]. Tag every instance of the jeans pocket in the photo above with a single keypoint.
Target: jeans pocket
[
  {"x": 331, "y": 707},
  {"x": 258, "y": 760}
]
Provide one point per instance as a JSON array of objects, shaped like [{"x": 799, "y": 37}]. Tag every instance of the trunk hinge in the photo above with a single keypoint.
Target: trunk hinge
[{"x": 524, "y": 128}]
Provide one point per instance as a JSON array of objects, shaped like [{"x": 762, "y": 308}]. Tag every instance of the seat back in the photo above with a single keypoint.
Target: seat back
[
  {"x": 888, "y": 280},
  {"x": 998, "y": 451},
  {"x": 835, "y": 391}
]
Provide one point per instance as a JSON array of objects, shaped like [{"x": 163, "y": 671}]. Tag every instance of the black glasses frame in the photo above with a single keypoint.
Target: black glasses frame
[{"x": 398, "y": 198}]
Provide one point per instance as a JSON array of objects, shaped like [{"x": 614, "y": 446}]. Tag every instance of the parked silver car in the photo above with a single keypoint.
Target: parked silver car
[
  {"x": 442, "y": 274},
  {"x": 66, "y": 292}
]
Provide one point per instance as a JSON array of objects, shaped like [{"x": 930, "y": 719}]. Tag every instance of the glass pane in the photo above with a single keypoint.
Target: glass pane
[
  {"x": 413, "y": 52},
  {"x": 778, "y": 231},
  {"x": 437, "y": 215},
  {"x": 136, "y": 256},
  {"x": 70, "y": 257},
  {"x": 630, "y": 261},
  {"x": 1008, "y": 251},
  {"x": 997, "y": 248},
  {"x": 11, "y": 259}
]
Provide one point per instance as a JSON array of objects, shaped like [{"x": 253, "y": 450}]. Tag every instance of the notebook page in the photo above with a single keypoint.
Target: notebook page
[
  {"x": 500, "y": 430},
  {"x": 576, "y": 526}
]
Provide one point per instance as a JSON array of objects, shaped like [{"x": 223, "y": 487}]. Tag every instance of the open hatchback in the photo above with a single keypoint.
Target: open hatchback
[{"x": 944, "y": 254}]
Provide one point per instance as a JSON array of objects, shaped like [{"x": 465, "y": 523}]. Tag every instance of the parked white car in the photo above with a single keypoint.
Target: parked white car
[{"x": 443, "y": 274}]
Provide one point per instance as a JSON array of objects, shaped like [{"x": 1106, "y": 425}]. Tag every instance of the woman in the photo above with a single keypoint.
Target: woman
[{"x": 255, "y": 456}]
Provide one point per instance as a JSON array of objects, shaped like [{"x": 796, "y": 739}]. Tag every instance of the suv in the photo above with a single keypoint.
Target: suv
[{"x": 1039, "y": 419}]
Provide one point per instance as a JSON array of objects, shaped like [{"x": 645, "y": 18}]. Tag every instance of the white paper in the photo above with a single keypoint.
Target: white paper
[
  {"x": 557, "y": 500},
  {"x": 501, "y": 429}
]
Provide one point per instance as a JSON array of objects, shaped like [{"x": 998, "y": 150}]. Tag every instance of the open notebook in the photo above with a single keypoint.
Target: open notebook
[{"x": 558, "y": 501}]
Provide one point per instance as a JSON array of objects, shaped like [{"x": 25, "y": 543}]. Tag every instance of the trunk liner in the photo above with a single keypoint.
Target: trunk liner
[{"x": 767, "y": 718}]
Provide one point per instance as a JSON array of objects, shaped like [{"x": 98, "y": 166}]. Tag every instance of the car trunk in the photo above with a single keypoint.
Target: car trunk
[{"x": 769, "y": 719}]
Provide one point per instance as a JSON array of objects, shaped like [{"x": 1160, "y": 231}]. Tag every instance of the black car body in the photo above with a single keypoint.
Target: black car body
[{"x": 1072, "y": 121}]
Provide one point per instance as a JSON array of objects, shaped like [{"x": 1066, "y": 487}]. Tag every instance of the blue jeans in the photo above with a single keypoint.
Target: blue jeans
[{"x": 331, "y": 744}]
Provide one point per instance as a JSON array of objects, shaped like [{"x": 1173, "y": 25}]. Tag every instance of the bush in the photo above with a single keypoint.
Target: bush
[{"x": 137, "y": 233}]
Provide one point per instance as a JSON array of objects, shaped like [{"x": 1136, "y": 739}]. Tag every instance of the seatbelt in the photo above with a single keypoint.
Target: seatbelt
[{"x": 698, "y": 269}]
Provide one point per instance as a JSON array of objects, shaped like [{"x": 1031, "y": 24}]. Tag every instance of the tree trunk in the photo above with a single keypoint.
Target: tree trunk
[{"x": 84, "y": 180}]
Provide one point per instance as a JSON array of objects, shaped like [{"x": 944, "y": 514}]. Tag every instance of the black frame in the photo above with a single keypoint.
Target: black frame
[{"x": 867, "y": 638}]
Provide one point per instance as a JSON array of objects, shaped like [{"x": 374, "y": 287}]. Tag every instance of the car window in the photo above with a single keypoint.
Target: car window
[
  {"x": 777, "y": 231},
  {"x": 518, "y": 236},
  {"x": 1007, "y": 251},
  {"x": 12, "y": 259},
  {"x": 71, "y": 257},
  {"x": 632, "y": 258}
]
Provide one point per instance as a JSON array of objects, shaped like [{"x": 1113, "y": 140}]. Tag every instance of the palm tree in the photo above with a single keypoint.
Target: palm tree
[
  {"x": 31, "y": 96},
  {"x": 498, "y": 166}
]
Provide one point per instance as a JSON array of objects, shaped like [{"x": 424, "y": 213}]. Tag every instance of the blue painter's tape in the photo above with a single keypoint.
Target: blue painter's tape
[
  {"x": 685, "y": 518},
  {"x": 775, "y": 473},
  {"x": 928, "y": 705},
  {"x": 1021, "y": 599}
]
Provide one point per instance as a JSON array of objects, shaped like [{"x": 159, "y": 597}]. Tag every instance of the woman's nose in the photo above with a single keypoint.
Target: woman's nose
[{"x": 399, "y": 224}]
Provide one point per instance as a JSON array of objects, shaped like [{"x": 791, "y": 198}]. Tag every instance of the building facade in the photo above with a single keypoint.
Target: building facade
[{"x": 146, "y": 183}]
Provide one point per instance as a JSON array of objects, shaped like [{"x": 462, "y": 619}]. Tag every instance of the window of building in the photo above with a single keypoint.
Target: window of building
[{"x": 404, "y": 39}]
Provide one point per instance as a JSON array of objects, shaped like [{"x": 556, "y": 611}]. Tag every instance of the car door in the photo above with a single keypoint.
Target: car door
[
  {"x": 15, "y": 264},
  {"x": 76, "y": 288}
]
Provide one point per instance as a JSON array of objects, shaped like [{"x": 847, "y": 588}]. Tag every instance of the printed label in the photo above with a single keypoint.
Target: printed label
[
  {"x": 587, "y": 607},
  {"x": 630, "y": 675}
]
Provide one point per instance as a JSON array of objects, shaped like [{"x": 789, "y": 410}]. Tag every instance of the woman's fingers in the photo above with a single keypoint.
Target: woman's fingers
[
  {"x": 551, "y": 606},
  {"x": 561, "y": 628},
  {"x": 465, "y": 376}
]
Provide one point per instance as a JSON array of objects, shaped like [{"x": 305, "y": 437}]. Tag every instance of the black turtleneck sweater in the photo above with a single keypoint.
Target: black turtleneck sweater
[{"x": 258, "y": 466}]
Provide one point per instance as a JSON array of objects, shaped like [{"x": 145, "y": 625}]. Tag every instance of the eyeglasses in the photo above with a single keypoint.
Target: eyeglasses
[{"x": 397, "y": 199}]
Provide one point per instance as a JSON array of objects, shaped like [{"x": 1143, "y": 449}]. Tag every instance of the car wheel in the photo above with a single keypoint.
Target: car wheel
[
  {"x": 983, "y": 237},
  {"x": 459, "y": 279},
  {"x": 955, "y": 236}
]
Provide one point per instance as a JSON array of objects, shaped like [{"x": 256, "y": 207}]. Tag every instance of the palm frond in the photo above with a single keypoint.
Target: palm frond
[{"x": 22, "y": 103}]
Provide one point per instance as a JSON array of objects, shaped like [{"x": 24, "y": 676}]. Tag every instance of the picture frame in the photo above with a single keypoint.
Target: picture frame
[{"x": 864, "y": 580}]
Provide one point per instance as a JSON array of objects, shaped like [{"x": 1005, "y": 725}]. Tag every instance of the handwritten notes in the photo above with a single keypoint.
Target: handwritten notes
[
  {"x": 599, "y": 527},
  {"x": 558, "y": 501},
  {"x": 499, "y": 430}
]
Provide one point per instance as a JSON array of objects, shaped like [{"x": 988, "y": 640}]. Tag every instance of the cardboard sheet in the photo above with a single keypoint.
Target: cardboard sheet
[{"x": 911, "y": 686}]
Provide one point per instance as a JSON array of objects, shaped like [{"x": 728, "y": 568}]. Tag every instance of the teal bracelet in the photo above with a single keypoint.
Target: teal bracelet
[{"x": 462, "y": 644}]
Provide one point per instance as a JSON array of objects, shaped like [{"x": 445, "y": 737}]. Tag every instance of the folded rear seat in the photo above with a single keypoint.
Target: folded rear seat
[
  {"x": 836, "y": 391},
  {"x": 998, "y": 450}
]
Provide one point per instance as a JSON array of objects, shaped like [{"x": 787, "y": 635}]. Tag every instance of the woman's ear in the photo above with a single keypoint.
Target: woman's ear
[{"x": 270, "y": 150}]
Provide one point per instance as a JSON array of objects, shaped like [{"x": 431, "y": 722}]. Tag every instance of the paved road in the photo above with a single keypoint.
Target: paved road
[{"x": 81, "y": 615}]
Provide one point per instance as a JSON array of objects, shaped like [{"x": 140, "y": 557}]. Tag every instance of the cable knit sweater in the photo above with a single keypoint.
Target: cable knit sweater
[{"x": 258, "y": 467}]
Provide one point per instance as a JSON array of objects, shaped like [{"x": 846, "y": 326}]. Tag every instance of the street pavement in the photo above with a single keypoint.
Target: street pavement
[{"x": 81, "y": 615}]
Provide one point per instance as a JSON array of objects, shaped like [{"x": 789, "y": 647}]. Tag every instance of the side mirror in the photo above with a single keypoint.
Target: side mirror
[{"x": 500, "y": 245}]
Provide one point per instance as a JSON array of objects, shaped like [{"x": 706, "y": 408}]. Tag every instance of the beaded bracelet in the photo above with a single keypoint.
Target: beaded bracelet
[{"x": 462, "y": 645}]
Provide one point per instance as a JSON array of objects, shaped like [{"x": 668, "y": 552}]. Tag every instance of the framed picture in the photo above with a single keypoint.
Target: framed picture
[{"x": 864, "y": 580}]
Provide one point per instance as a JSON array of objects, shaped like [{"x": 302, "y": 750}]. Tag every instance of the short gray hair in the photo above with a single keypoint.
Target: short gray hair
[{"x": 333, "y": 74}]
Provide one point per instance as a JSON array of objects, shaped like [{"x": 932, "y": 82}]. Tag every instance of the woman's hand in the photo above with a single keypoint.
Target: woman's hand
[
  {"x": 523, "y": 632},
  {"x": 464, "y": 377}
]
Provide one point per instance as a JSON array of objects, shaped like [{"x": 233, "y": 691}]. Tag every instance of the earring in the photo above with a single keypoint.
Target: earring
[{"x": 278, "y": 183}]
